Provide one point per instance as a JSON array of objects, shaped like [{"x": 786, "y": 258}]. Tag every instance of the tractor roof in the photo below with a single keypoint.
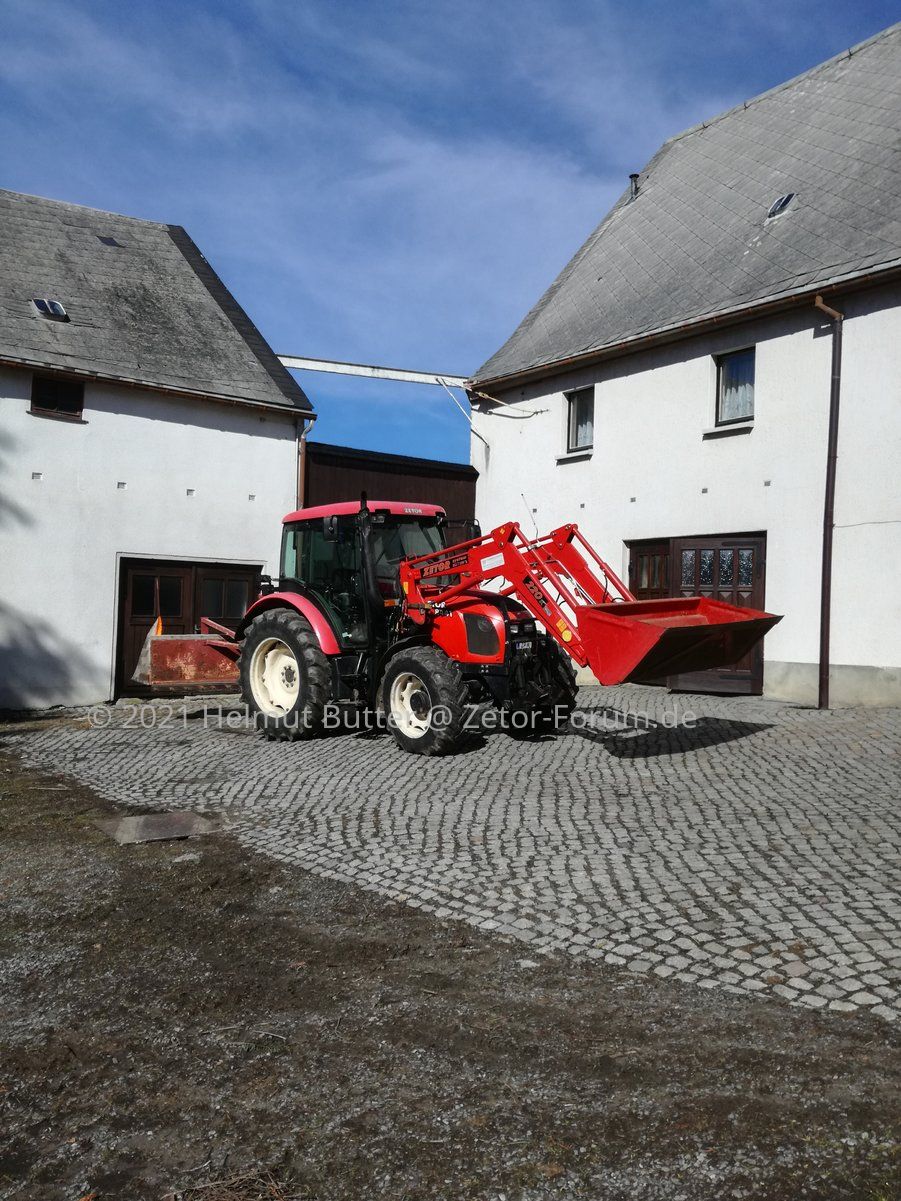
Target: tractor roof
[{"x": 347, "y": 508}]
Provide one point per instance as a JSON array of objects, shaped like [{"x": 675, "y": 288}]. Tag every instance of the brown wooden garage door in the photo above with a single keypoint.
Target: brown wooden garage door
[
  {"x": 727, "y": 567},
  {"x": 179, "y": 594}
]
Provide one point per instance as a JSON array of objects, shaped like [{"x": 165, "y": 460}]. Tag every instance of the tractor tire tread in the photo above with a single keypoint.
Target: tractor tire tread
[
  {"x": 453, "y": 697},
  {"x": 288, "y": 623}
]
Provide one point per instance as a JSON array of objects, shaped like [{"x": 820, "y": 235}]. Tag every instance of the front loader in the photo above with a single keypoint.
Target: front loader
[{"x": 372, "y": 607}]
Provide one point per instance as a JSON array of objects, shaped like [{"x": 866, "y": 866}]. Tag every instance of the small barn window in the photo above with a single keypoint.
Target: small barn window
[
  {"x": 51, "y": 309},
  {"x": 779, "y": 205},
  {"x": 52, "y": 396},
  {"x": 580, "y": 420},
  {"x": 735, "y": 387}
]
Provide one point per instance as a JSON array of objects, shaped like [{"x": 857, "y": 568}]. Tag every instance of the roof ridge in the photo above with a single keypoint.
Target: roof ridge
[
  {"x": 145, "y": 308},
  {"x": 780, "y": 87},
  {"x": 235, "y": 314},
  {"x": 84, "y": 208},
  {"x": 603, "y": 297}
]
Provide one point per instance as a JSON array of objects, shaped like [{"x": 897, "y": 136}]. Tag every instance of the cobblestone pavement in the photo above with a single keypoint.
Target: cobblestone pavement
[{"x": 730, "y": 843}]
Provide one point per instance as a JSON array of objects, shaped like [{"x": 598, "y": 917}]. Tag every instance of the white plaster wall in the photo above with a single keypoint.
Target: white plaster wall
[
  {"x": 866, "y": 606},
  {"x": 651, "y": 410},
  {"x": 61, "y": 535}
]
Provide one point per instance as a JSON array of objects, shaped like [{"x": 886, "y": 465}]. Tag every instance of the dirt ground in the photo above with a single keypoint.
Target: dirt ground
[{"x": 176, "y": 1013}]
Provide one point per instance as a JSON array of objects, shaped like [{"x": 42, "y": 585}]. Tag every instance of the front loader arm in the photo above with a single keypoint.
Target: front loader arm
[
  {"x": 584, "y": 606},
  {"x": 550, "y": 577}
]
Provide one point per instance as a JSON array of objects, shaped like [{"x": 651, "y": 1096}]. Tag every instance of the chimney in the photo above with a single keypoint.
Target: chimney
[{"x": 633, "y": 185}]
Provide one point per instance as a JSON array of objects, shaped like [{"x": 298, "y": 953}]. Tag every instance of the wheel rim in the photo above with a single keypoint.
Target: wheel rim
[
  {"x": 411, "y": 705},
  {"x": 274, "y": 677}
]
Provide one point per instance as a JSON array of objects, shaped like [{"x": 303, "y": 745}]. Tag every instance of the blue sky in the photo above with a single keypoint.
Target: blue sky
[{"x": 382, "y": 182}]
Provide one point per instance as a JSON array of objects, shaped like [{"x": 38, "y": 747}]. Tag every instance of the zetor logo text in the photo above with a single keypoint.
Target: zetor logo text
[{"x": 446, "y": 566}]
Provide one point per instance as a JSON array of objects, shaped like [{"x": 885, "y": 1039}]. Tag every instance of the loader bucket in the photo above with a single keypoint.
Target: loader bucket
[
  {"x": 643, "y": 641},
  {"x": 174, "y": 661}
]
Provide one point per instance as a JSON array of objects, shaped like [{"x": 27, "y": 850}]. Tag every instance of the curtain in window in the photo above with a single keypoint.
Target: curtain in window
[
  {"x": 737, "y": 386},
  {"x": 581, "y": 420}
]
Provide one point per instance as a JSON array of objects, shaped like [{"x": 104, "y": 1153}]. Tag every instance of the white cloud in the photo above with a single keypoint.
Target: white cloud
[{"x": 394, "y": 182}]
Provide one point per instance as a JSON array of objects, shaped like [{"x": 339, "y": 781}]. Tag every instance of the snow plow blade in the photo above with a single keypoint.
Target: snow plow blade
[
  {"x": 643, "y": 641},
  {"x": 179, "y": 661}
]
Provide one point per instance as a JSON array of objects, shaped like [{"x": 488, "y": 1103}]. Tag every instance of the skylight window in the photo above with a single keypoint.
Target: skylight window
[
  {"x": 779, "y": 205},
  {"x": 51, "y": 309}
]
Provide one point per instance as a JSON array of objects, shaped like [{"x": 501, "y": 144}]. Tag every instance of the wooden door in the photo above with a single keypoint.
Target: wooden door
[
  {"x": 179, "y": 594},
  {"x": 151, "y": 590},
  {"x": 729, "y": 568},
  {"x": 224, "y": 593},
  {"x": 649, "y": 569}
]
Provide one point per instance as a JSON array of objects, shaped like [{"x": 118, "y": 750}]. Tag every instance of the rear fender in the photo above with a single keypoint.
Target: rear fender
[{"x": 303, "y": 605}]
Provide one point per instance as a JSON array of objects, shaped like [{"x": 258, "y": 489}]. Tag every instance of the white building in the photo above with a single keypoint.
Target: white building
[
  {"x": 671, "y": 391},
  {"x": 148, "y": 447}
]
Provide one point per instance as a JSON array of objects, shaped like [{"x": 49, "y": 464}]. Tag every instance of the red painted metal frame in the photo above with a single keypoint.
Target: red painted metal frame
[
  {"x": 566, "y": 585},
  {"x": 550, "y": 576}
]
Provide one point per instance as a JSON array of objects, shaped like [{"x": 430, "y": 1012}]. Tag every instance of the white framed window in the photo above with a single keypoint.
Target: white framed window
[
  {"x": 579, "y": 420},
  {"x": 735, "y": 387}
]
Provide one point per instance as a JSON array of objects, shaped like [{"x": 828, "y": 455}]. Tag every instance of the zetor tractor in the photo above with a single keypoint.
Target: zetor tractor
[
  {"x": 349, "y": 623},
  {"x": 371, "y": 606}
]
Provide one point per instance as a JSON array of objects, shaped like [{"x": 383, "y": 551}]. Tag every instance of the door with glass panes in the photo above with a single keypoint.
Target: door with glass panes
[{"x": 727, "y": 567}]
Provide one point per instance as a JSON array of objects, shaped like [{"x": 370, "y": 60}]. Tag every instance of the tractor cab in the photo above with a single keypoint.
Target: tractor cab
[{"x": 347, "y": 557}]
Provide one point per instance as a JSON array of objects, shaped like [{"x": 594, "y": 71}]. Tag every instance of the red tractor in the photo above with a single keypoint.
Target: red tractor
[{"x": 371, "y": 606}]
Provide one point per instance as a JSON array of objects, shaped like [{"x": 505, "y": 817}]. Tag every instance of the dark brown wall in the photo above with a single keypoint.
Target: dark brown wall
[{"x": 336, "y": 473}]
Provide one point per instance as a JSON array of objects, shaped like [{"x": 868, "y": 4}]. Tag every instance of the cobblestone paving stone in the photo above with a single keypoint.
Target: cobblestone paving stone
[{"x": 729, "y": 843}]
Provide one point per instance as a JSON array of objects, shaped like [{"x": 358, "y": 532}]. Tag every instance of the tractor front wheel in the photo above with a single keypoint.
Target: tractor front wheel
[
  {"x": 424, "y": 698},
  {"x": 285, "y": 678}
]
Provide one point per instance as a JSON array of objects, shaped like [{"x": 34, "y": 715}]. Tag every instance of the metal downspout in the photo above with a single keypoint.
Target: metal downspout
[
  {"x": 304, "y": 425},
  {"x": 837, "y": 320}
]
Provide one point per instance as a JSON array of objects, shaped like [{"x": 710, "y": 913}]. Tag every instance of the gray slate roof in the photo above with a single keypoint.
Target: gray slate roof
[
  {"x": 694, "y": 242},
  {"x": 150, "y": 311}
]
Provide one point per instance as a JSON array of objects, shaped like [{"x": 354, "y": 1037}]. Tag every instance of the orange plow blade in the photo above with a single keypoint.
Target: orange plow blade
[{"x": 643, "y": 641}]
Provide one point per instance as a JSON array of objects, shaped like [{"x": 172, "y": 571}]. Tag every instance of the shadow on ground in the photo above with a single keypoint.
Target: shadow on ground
[
  {"x": 631, "y": 736},
  {"x": 622, "y": 733}
]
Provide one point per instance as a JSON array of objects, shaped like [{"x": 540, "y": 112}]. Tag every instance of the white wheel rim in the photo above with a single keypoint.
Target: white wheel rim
[
  {"x": 411, "y": 705},
  {"x": 274, "y": 677}
]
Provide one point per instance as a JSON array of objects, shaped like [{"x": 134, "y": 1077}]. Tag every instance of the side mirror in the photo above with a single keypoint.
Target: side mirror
[
  {"x": 471, "y": 530},
  {"x": 330, "y": 528}
]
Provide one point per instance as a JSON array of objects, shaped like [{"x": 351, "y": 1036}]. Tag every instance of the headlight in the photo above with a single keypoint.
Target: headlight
[
  {"x": 528, "y": 627},
  {"x": 514, "y": 627}
]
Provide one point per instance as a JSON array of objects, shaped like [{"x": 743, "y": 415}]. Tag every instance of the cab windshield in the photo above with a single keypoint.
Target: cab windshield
[
  {"x": 402, "y": 538},
  {"x": 332, "y": 568}
]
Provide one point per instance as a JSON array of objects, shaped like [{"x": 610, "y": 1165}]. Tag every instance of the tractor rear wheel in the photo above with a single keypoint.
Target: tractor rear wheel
[
  {"x": 424, "y": 698},
  {"x": 285, "y": 677}
]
